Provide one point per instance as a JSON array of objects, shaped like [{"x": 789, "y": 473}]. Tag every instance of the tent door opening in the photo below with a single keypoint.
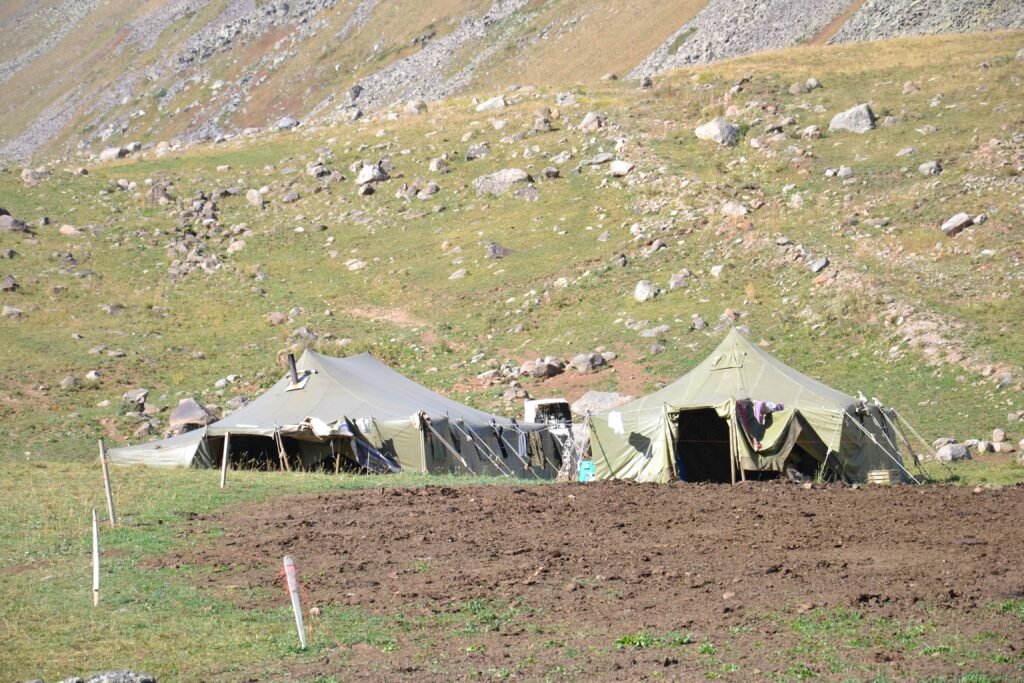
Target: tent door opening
[{"x": 702, "y": 446}]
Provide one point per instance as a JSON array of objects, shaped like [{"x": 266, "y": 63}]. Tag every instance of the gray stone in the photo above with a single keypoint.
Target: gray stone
[
  {"x": 190, "y": 412},
  {"x": 645, "y": 290},
  {"x": 718, "y": 130},
  {"x": 286, "y": 123},
  {"x": 458, "y": 274},
  {"x": 254, "y": 198},
  {"x": 598, "y": 402},
  {"x": 998, "y": 435},
  {"x": 477, "y": 151},
  {"x": 620, "y": 168},
  {"x": 135, "y": 399},
  {"x": 371, "y": 173},
  {"x": 587, "y": 362},
  {"x": 496, "y": 102},
  {"x": 290, "y": 197},
  {"x": 858, "y": 119},
  {"x": 121, "y": 677},
  {"x": 597, "y": 159},
  {"x": 9, "y": 284},
  {"x": 112, "y": 153},
  {"x": 500, "y": 182},
  {"x": 415, "y": 107},
  {"x": 653, "y": 332},
  {"x": 819, "y": 265},
  {"x": 698, "y": 323},
  {"x": 11, "y": 312},
  {"x": 932, "y": 167},
  {"x": 9, "y": 223},
  {"x": 592, "y": 121},
  {"x": 496, "y": 251},
  {"x": 952, "y": 452},
  {"x": 303, "y": 334},
  {"x": 70, "y": 382},
  {"x": 956, "y": 224}
]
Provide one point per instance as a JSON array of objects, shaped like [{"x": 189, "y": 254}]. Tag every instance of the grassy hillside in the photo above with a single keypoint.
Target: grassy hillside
[{"x": 923, "y": 321}]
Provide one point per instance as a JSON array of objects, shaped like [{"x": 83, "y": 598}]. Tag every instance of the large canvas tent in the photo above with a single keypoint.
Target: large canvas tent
[
  {"x": 358, "y": 410},
  {"x": 742, "y": 412}
]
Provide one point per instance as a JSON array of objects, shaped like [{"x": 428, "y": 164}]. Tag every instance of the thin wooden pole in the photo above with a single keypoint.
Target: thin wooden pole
[
  {"x": 106, "y": 485},
  {"x": 337, "y": 456},
  {"x": 95, "y": 560},
  {"x": 293, "y": 589},
  {"x": 224, "y": 461}
]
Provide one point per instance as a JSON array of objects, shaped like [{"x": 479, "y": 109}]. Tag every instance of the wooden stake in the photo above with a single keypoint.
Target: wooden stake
[
  {"x": 337, "y": 456},
  {"x": 224, "y": 461},
  {"x": 95, "y": 560},
  {"x": 106, "y": 485},
  {"x": 293, "y": 589}
]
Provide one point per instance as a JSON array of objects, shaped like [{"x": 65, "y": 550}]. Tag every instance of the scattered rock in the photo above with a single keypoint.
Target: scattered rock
[
  {"x": 718, "y": 130},
  {"x": 645, "y": 291},
  {"x": 9, "y": 284},
  {"x": 135, "y": 399},
  {"x": 956, "y": 224},
  {"x": 952, "y": 452},
  {"x": 500, "y": 182},
  {"x": 190, "y": 412},
  {"x": 286, "y": 123},
  {"x": 254, "y": 198},
  {"x": 932, "y": 167},
  {"x": 819, "y": 265},
  {"x": 11, "y": 312},
  {"x": 496, "y": 251},
  {"x": 592, "y": 121},
  {"x": 415, "y": 107},
  {"x": 620, "y": 168},
  {"x": 70, "y": 383},
  {"x": 587, "y": 362},
  {"x": 496, "y": 102},
  {"x": 458, "y": 274},
  {"x": 697, "y": 323},
  {"x": 477, "y": 151},
  {"x": 910, "y": 87},
  {"x": 858, "y": 119},
  {"x": 598, "y": 402},
  {"x": 998, "y": 435}
]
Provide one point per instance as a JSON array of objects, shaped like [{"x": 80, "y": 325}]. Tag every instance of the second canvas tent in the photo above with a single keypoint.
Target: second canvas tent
[{"x": 743, "y": 412}]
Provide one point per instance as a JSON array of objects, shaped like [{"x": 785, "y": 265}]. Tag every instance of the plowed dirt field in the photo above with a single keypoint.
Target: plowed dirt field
[{"x": 618, "y": 581}]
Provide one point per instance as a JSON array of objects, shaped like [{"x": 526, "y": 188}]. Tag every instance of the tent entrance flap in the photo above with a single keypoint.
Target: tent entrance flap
[{"x": 701, "y": 446}]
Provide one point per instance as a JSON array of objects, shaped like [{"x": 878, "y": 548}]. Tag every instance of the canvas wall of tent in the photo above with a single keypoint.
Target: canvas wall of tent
[
  {"x": 357, "y": 413},
  {"x": 743, "y": 413}
]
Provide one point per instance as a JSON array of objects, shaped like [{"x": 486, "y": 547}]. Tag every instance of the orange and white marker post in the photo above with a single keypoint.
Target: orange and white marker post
[{"x": 293, "y": 590}]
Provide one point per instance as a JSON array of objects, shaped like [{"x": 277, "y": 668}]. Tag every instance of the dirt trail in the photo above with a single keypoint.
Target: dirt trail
[{"x": 574, "y": 568}]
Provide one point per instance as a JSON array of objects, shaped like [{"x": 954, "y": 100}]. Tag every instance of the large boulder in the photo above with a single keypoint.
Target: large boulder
[
  {"x": 645, "y": 290},
  {"x": 500, "y": 182},
  {"x": 956, "y": 224},
  {"x": 587, "y": 362},
  {"x": 952, "y": 452},
  {"x": 718, "y": 130},
  {"x": 598, "y": 402},
  {"x": 371, "y": 173},
  {"x": 496, "y": 102},
  {"x": 190, "y": 412},
  {"x": 859, "y": 119}
]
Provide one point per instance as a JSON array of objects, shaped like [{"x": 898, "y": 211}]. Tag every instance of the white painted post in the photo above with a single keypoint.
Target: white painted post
[
  {"x": 224, "y": 461},
  {"x": 95, "y": 560},
  {"x": 106, "y": 485},
  {"x": 293, "y": 589}
]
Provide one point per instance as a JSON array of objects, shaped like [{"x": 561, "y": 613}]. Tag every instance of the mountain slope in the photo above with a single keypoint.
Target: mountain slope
[
  {"x": 82, "y": 75},
  {"x": 157, "y": 269}
]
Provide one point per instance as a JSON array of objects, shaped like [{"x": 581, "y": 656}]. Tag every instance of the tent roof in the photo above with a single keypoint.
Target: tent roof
[
  {"x": 738, "y": 368},
  {"x": 354, "y": 387}
]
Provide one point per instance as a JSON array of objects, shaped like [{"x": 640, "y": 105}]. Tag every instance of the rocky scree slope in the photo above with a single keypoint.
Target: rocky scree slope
[{"x": 81, "y": 75}]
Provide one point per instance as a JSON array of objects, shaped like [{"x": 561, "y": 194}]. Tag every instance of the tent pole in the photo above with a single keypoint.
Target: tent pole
[
  {"x": 106, "y": 485},
  {"x": 732, "y": 442},
  {"x": 224, "y": 460}
]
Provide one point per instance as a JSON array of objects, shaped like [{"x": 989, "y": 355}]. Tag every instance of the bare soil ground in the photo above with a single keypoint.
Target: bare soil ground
[{"x": 618, "y": 581}]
